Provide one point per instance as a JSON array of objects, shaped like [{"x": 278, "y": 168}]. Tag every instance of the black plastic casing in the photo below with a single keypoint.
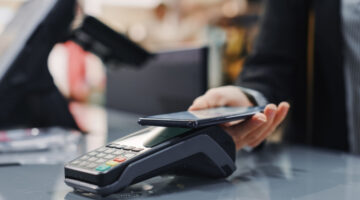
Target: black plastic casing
[
  {"x": 28, "y": 95},
  {"x": 208, "y": 152}
]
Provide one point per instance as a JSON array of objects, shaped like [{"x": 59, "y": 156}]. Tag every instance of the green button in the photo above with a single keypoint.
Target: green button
[{"x": 103, "y": 167}]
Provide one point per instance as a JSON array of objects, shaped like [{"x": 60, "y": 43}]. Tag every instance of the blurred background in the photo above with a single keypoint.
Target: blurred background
[{"x": 219, "y": 32}]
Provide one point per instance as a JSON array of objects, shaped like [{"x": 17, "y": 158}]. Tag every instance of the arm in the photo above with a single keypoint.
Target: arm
[{"x": 279, "y": 54}]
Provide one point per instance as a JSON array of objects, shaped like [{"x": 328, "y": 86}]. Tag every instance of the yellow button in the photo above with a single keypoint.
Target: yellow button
[{"x": 112, "y": 163}]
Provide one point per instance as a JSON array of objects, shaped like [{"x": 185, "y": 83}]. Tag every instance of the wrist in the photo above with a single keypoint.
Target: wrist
[{"x": 254, "y": 97}]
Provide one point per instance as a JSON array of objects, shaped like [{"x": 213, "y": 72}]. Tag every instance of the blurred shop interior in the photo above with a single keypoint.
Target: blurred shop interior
[{"x": 197, "y": 45}]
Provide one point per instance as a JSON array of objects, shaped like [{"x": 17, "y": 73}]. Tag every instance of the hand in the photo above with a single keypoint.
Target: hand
[{"x": 251, "y": 132}]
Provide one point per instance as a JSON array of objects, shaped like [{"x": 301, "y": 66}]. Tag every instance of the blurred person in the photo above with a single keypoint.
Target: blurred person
[
  {"x": 170, "y": 29},
  {"x": 276, "y": 70}
]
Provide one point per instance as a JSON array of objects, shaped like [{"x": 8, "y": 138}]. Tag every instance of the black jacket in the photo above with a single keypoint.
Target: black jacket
[{"x": 277, "y": 67}]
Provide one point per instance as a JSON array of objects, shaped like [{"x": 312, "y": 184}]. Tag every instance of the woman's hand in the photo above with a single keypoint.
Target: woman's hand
[{"x": 251, "y": 132}]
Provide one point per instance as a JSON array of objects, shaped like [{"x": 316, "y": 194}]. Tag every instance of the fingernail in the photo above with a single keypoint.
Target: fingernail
[
  {"x": 261, "y": 118},
  {"x": 285, "y": 104},
  {"x": 272, "y": 107}
]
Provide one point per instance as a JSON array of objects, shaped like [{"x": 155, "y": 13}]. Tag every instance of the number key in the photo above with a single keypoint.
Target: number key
[
  {"x": 92, "y": 153},
  {"x": 118, "y": 152},
  {"x": 129, "y": 155},
  {"x": 92, "y": 159},
  {"x": 83, "y": 164},
  {"x": 84, "y": 158},
  {"x": 101, "y": 149},
  {"x": 109, "y": 151},
  {"x": 100, "y": 160},
  {"x": 103, "y": 167},
  {"x": 109, "y": 156},
  {"x": 100, "y": 155},
  {"x": 91, "y": 165},
  {"x": 75, "y": 162}
]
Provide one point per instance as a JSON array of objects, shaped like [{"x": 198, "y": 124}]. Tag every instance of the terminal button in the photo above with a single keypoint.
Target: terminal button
[
  {"x": 127, "y": 147},
  {"x": 103, "y": 167},
  {"x": 92, "y": 153},
  {"x": 92, "y": 159},
  {"x": 118, "y": 152},
  {"x": 110, "y": 156},
  {"x": 83, "y": 164},
  {"x": 129, "y": 155},
  {"x": 84, "y": 158},
  {"x": 100, "y": 161},
  {"x": 119, "y": 146},
  {"x": 75, "y": 162},
  {"x": 137, "y": 149},
  {"x": 112, "y": 163},
  {"x": 109, "y": 151},
  {"x": 100, "y": 155},
  {"x": 119, "y": 159},
  {"x": 112, "y": 145},
  {"x": 91, "y": 165},
  {"x": 101, "y": 149}
]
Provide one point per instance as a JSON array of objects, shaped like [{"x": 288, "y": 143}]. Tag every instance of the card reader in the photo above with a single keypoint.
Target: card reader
[{"x": 150, "y": 152}]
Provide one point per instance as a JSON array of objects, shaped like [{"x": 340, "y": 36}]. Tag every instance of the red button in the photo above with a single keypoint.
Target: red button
[{"x": 119, "y": 159}]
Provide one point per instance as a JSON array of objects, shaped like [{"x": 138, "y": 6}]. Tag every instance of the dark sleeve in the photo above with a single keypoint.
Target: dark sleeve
[{"x": 279, "y": 52}]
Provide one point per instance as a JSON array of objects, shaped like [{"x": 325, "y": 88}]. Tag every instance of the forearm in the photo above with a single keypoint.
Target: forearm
[
  {"x": 255, "y": 97},
  {"x": 279, "y": 54}
]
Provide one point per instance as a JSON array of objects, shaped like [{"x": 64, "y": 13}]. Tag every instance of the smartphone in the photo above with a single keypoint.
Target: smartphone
[{"x": 201, "y": 118}]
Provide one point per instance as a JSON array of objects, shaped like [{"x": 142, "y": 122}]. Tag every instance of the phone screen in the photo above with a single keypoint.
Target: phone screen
[
  {"x": 205, "y": 114},
  {"x": 201, "y": 118}
]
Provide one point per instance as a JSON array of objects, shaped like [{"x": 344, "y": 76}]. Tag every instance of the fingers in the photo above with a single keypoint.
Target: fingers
[
  {"x": 253, "y": 132},
  {"x": 280, "y": 116},
  {"x": 240, "y": 131},
  {"x": 282, "y": 112},
  {"x": 212, "y": 98},
  {"x": 270, "y": 113},
  {"x": 222, "y": 96},
  {"x": 233, "y": 123},
  {"x": 199, "y": 104}
]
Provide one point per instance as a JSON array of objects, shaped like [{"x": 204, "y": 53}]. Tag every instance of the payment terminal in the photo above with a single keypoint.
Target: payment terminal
[{"x": 150, "y": 152}]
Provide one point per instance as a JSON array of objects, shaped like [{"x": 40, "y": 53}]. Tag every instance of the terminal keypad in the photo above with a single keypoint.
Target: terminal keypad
[{"x": 105, "y": 158}]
